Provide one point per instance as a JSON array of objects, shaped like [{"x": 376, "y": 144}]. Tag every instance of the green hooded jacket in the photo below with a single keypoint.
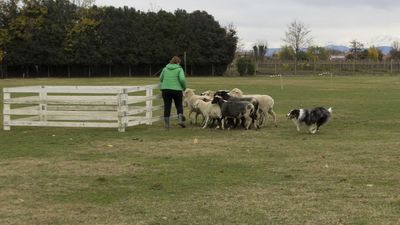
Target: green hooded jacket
[{"x": 173, "y": 78}]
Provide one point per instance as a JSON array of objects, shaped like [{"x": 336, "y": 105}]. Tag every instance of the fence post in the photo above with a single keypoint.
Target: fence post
[
  {"x": 122, "y": 110},
  {"x": 149, "y": 106},
  {"x": 315, "y": 66},
  {"x": 6, "y": 111},
  {"x": 43, "y": 104},
  {"x": 391, "y": 66}
]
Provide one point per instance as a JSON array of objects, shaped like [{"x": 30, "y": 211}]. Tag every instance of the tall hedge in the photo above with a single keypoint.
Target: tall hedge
[{"x": 58, "y": 33}]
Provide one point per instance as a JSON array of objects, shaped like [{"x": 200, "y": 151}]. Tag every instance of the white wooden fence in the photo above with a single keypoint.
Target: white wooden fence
[{"x": 80, "y": 106}]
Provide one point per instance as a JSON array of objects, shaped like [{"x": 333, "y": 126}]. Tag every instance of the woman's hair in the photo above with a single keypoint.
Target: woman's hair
[{"x": 175, "y": 60}]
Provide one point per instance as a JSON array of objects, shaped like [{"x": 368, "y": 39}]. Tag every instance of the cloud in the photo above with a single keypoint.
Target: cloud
[{"x": 337, "y": 21}]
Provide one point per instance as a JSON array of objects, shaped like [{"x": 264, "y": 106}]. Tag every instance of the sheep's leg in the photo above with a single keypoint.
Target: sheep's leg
[
  {"x": 206, "y": 122},
  {"x": 222, "y": 124},
  {"x": 202, "y": 123},
  {"x": 212, "y": 123},
  {"x": 204, "y": 119},
  {"x": 259, "y": 118},
  {"x": 255, "y": 123},
  {"x": 254, "y": 120},
  {"x": 247, "y": 122},
  {"x": 262, "y": 119},
  {"x": 197, "y": 114},
  {"x": 272, "y": 113},
  {"x": 190, "y": 116},
  {"x": 218, "y": 123},
  {"x": 195, "y": 120}
]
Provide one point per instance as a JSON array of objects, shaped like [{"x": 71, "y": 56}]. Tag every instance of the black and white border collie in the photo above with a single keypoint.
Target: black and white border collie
[{"x": 313, "y": 118}]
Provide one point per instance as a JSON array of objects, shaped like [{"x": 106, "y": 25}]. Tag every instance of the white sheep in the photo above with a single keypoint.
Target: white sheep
[
  {"x": 189, "y": 99},
  {"x": 209, "y": 94},
  {"x": 209, "y": 111},
  {"x": 266, "y": 104}
]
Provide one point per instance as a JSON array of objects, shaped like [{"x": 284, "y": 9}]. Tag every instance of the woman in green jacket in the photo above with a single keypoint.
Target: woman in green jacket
[{"x": 173, "y": 83}]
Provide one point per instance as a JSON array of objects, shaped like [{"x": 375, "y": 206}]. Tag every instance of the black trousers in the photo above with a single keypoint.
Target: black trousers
[{"x": 168, "y": 96}]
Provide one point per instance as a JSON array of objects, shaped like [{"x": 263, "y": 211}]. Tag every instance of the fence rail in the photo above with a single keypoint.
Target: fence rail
[
  {"x": 79, "y": 106},
  {"x": 337, "y": 67}
]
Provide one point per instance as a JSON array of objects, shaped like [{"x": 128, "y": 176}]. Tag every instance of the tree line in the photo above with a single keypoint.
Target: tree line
[
  {"x": 40, "y": 36},
  {"x": 298, "y": 46}
]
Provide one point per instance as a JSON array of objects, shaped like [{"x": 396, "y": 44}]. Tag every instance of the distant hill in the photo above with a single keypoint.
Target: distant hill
[
  {"x": 271, "y": 51},
  {"x": 385, "y": 49}
]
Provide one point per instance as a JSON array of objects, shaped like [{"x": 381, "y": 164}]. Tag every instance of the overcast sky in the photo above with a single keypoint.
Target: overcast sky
[{"x": 373, "y": 22}]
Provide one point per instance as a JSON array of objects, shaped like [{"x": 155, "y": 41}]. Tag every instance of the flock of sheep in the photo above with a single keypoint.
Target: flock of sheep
[{"x": 229, "y": 108}]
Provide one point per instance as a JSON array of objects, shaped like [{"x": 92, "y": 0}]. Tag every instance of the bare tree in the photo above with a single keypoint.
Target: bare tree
[
  {"x": 396, "y": 45},
  {"x": 395, "y": 52},
  {"x": 153, "y": 7},
  {"x": 355, "y": 48},
  {"x": 297, "y": 36},
  {"x": 83, "y": 3}
]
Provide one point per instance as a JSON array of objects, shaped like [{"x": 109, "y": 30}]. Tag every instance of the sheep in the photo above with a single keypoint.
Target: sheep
[
  {"x": 208, "y": 93},
  {"x": 255, "y": 115},
  {"x": 266, "y": 104},
  {"x": 189, "y": 99},
  {"x": 209, "y": 111},
  {"x": 234, "y": 109}
]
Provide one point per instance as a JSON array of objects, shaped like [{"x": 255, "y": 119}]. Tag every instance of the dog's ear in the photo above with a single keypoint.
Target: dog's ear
[{"x": 294, "y": 113}]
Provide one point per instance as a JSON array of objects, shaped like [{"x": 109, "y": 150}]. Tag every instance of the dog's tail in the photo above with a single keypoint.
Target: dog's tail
[{"x": 330, "y": 110}]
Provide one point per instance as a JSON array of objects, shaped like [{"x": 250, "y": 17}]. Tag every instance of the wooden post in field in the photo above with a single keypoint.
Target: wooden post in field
[
  {"x": 315, "y": 66},
  {"x": 122, "y": 110},
  {"x": 391, "y": 66},
  {"x": 149, "y": 106},
  {"x": 43, "y": 104},
  {"x": 6, "y": 111}
]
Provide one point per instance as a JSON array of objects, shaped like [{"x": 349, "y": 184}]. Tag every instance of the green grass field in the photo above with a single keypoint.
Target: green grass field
[{"x": 348, "y": 173}]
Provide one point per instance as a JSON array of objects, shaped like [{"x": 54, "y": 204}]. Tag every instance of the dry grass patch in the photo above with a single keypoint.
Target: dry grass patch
[
  {"x": 33, "y": 167},
  {"x": 164, "y": 148}
]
